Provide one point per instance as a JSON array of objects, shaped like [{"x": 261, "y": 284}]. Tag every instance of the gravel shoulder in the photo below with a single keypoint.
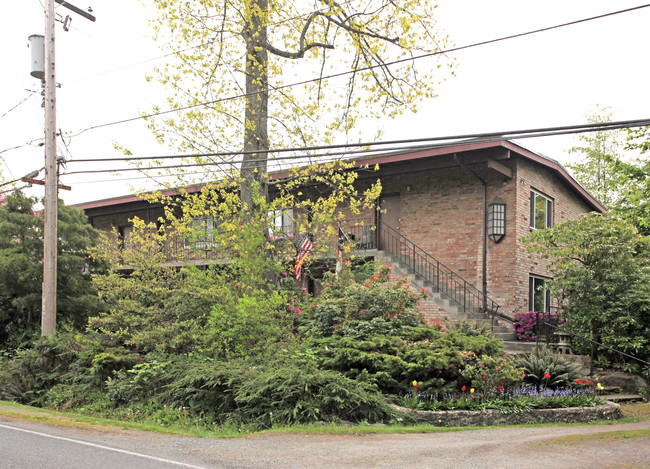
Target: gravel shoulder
[{"x": 588, "y": 446}]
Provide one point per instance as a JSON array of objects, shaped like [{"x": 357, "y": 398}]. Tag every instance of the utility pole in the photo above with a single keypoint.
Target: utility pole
[{"x": 48, "y": 315}]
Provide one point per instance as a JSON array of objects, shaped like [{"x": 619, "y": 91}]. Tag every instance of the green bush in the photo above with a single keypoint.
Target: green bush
[
  {"x": 250, "y": 322},
  {"x": 277, "y": 392},
  {"x": 427, "y": 355},
  {"x": 290, "y": 394},
  {"x": 471, "y": 328},
  {"x": 160, "y": 310},
  {"x": 358, "y": 308},
  {"x": 28, "y": 376},
  {"x": 542, "y": 367},
  {"x": 493, "y": 375}
]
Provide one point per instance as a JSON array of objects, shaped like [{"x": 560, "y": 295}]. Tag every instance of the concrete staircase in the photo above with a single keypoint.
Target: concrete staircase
[{"x": 501, "y": 329}]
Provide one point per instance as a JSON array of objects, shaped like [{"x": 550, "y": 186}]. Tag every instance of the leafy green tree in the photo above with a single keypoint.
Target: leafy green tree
[
  {"x": 21, "y": 270},
  {"x": 263, "y": 243},
  {"x": 601, "y": 274},
  {"x": 633, "y": 178},
  {"x": 600, "y": 151},
  {"x": 254, "y": 49}
]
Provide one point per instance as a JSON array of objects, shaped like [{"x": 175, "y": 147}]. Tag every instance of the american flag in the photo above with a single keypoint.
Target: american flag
[{"x": 306, "y": 247}]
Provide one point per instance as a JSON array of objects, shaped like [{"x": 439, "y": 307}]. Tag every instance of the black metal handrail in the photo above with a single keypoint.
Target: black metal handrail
[{"x": 441, "y": 278}]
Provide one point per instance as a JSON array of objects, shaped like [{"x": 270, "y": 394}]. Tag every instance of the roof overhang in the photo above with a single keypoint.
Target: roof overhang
[{"x": 403, "y": 156}]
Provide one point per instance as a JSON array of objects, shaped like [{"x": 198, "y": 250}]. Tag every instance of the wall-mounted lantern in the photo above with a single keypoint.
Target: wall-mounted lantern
[{"x": 496, "y": 223}]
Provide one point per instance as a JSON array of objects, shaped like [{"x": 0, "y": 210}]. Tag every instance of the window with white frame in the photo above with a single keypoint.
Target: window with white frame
[
  {"x": 541, "y": 211},
  {"x": 539, "y": 294},
  {"x": 201, "y": 235},
  {"x": 281, "y": 222}
]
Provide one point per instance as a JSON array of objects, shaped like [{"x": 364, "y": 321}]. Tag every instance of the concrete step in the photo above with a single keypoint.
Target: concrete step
[
  {"x": 516, "y": 347},
  {"x": 505, "y": 336},
  {"x": 622, "y": 398}
]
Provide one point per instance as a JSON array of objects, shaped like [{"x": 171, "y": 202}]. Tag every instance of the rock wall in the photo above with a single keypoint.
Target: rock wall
[{"x": 467, "y": 418}]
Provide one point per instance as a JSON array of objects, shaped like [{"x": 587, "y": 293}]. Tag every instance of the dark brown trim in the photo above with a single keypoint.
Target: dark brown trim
[{"x": 507, "y": 150}]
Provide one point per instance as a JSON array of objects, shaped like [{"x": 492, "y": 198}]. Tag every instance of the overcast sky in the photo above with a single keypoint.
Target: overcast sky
[{"x": 547, "y": 79}]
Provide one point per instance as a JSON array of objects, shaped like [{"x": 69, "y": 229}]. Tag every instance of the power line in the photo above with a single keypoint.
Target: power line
[
  {"x": 27, "y": 144},
  {"x": 506, "y": 134},
  {"x": 169, "y": 54},
  {"x": 370, "y": 67},
  {"x": 16, "y": 106},
  {"x": 402, "y": 146}
]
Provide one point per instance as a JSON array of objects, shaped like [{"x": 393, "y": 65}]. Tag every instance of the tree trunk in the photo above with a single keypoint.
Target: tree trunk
[{"x": 254, "y": 165}]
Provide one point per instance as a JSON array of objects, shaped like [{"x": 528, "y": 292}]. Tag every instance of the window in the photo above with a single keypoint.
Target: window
[
  {"x": 539, "y": 295},
  {"x": 281, "y": 223},
  {"x": 201, "y": 233},
  {"x": 541, "y": 211},
  {"x": 125, "y": 235}
]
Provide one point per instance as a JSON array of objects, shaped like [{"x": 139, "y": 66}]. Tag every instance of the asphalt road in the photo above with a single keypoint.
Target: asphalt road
[{"x": 25, "y": 445}]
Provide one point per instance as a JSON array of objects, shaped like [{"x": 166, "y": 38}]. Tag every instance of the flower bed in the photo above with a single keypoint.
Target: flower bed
[{"x": 468, "y": 418}]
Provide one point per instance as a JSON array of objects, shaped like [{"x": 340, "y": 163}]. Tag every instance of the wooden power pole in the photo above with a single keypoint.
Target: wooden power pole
[{"x": 48, "y": 315}]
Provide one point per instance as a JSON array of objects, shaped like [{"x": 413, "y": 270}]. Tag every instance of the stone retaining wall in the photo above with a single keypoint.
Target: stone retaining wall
[{"x": 467, "y": 418}]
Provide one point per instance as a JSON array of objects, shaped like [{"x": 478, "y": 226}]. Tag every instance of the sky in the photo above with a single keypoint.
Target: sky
[{"x": 548, "y": 79}]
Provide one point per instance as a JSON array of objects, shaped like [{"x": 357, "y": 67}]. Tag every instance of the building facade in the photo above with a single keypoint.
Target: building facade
[{"x": 451, "y": 216}]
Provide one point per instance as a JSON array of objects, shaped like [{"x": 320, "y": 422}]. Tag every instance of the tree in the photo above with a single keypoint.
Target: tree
[
  {"x": 257, "y": 48},
  {"x": 601, "y": 275},
  {"x": 261, "y": 243},
  {"x": 600, "y": 150},
  {"x": 21, "y": 270},
  {"x": 633, "y": 178}
]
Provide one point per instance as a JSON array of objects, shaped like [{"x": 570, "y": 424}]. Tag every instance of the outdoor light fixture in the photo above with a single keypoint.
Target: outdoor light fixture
[{"x": 496, "y": 222}]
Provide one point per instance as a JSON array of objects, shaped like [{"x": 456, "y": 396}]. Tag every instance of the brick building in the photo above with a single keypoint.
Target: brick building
[{"x": 451, "y": 217}]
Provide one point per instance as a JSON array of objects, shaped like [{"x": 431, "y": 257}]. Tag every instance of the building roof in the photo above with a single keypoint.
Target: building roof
[{"x": 412, "y": 154}]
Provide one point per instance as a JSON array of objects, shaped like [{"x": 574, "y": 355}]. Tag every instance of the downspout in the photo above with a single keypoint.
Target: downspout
[{"x": 484, "y": 273}]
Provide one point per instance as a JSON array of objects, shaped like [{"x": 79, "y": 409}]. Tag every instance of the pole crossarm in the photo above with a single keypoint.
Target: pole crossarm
[
  {"x": 42, "y": 183},
  {"x": 78, "y": 11}
]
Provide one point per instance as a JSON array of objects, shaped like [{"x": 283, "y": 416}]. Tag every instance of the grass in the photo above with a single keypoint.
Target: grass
[
  {"x": 603, "y": 436},
  {"x": 640, "y": 410},
  {"x": 73, "y": 419},
  {"x": 632, "y": 413}
]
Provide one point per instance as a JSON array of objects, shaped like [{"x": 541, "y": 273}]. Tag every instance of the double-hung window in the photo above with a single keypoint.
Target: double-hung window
[
  {"x": 541, "y": 211},
  {"x": 539, "y": 294},
  {"x": 281, "y": 222}
]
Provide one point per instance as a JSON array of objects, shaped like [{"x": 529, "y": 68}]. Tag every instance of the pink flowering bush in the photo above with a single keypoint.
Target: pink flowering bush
[{"x": 526, "y": 324}]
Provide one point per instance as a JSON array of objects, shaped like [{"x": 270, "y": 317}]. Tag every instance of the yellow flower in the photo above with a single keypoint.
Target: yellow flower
[
  {"x": 415, "y": 384},
  {"x": 472, "y": 390}
]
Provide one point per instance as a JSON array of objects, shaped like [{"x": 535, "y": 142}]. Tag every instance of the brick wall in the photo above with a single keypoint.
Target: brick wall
[
  {"x": 566, "y": 206},
  {"x": 442, "y": 212}
]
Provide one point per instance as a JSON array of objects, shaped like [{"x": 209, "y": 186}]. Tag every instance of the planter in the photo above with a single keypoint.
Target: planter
[{"x": 469, "y": 418}]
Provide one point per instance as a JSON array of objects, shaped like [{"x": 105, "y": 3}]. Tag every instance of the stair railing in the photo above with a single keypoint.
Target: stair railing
[{"x": 437, "y": 275}]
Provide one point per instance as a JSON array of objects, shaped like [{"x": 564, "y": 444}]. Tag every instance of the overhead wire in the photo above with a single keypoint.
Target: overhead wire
[
  {"x": 16, "y": 106},
  {"x": 505, "y": 134},
  {"x": 395, "y": 146},
  {"x": 169, "y": 54},
  {"x": 349, "y": 72}
]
